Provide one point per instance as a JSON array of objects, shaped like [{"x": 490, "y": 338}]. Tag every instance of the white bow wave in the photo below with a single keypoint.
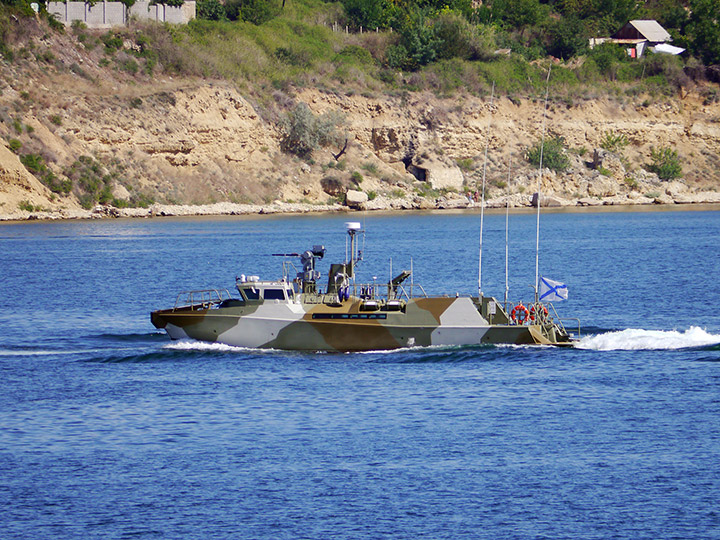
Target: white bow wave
[{"x": 637, "y": 339}]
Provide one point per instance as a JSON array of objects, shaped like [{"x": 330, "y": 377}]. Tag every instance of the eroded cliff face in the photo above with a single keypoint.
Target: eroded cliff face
[{"x": 199, "y": 142}]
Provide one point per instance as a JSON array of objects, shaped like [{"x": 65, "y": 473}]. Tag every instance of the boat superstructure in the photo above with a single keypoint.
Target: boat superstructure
[{"x": 298, "y": 312}]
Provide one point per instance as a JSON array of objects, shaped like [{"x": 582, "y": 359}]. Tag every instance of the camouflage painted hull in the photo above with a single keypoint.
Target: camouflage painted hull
[{"x": 350, "y": 325}]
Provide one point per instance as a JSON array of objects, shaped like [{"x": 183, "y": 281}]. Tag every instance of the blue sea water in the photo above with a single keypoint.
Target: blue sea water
[{"x": 109, "y": 430}]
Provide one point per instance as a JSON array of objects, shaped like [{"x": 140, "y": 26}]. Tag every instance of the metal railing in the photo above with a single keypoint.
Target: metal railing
[
  {"x": 201, "y": 299},
  {"x": 381, "y": 292}
]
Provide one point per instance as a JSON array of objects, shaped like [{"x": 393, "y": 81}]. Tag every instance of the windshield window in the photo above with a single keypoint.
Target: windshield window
[{"x": 274, "y": 294}]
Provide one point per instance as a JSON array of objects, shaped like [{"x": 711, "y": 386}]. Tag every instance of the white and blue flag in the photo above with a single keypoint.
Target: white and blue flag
[{"x": 552, "y": 291}]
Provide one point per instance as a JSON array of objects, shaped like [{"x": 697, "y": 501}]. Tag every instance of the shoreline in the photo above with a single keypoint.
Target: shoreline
[{"x": 232, "y": 210}]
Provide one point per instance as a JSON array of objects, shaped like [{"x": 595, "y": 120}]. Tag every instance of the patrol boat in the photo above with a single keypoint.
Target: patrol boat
[{"x": 296, "y": 313}]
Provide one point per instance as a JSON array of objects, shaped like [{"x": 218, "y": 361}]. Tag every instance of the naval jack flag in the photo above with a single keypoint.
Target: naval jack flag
[{"x": 552, "y": 291}]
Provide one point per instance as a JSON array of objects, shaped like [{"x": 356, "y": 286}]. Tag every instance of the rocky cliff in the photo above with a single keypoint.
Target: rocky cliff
[{"x": 201, "y": 142}]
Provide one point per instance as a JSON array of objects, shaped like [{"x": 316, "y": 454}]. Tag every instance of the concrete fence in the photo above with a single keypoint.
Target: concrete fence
[{"x": 108, "y": 14}]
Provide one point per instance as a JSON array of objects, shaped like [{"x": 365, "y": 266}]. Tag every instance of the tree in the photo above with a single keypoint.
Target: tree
[
  {"x": 460, "y": 39},
  {"x": 517, "y": 13},
  {"x": 256, "y": 12},
  {"x": 367, "y": 13},
  {"x": 211, "y": 10},
  {"x": 568, "y": 37},
  {"x": 704, "y": 30},
  {"x": 418, "y": 44}
]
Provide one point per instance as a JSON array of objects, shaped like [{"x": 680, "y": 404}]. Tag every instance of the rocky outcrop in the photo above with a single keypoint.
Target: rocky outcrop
[
  {"x": 440, "y": 175},
  {"x": 193, "y": 144},
  {"x": 356, "y": 199}
]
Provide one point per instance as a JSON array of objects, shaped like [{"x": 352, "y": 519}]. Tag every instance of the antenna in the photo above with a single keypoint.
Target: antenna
[
  {"x": 507, "y": 228},
  {"x": 537, "y": 226},
  {"x": 482, "y": 203},
  {"x": 412, "y": 277}
]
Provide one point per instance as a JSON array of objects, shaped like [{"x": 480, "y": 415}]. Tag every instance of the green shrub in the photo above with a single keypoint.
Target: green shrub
[
  {"x": 14, "y": 145},
  {"x": 33, "y": 163},
  {"x": 371, "y": 195},
  {"x": 29, "y": 207},
  {"x": 354, "y": 54},
  {"x": 665, "y": 163},
  {"x": 607, "y": 57},
  {"x": 370, "y": 167},
  {"x": 631, "y": 182},
  {"x": 129, "y": 65},
  {"x": 45, "y": 56},
  {"x": 303, "y": 132},
  {"x": 356, "y": 177},
  {"x": 293, "y": 58},
  {"x": 54, "y": 23},
  {"x": 466, "y": 164},
  {"x": 552, "y": 153},
  {"x": 56, "y": 119},
  {"x": 457, "y": 38},
  {"x": 614, "y": 142},
  {"x": 112, "y": 42}
]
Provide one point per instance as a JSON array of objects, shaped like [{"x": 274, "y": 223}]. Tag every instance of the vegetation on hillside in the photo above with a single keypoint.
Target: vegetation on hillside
[
  {"x": 441, "y": 45},
  {"x": 271, "y": 47}
]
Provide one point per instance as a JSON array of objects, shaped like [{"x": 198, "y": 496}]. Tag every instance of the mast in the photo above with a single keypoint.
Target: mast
[
  {"x": 537, "y": 226},
  {"x": 482, "y": 203},
  {"x": 353, "y": 228},
  {"x": 507, "y": 228}
]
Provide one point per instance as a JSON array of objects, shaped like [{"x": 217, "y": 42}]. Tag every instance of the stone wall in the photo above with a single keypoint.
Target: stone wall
[{"x": 108, "y": 14}]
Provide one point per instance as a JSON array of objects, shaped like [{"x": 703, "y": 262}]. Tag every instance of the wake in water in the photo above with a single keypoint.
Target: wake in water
[
  {"x": 635, "y": 339},
  {"x": 205, "y": 346}
]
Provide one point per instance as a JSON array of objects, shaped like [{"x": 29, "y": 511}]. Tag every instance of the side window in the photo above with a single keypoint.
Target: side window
[
  {"x": 251, "y": 294},
  {"x": 274, "y": 294}
]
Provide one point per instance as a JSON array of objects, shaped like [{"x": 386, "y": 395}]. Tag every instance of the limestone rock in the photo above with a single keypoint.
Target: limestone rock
[
  {"x": 641, "y": 175},
  {"x": 602, "y": 159},
  {"x": 440, "y": 175},
  {"x": 549, "y": 201},
  {"x": 602, "y": 186},
  {"x": 333, "y": 186},
  {"x": 675, "y": 188},
  {"x": 356, "y": 199},
  {"x": 452, "y": 201}
]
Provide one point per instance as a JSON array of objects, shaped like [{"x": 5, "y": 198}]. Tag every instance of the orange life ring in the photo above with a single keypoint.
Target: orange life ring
[
  {"x": 540, "y": 310},
  {"x": 520, "y": 314}
]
